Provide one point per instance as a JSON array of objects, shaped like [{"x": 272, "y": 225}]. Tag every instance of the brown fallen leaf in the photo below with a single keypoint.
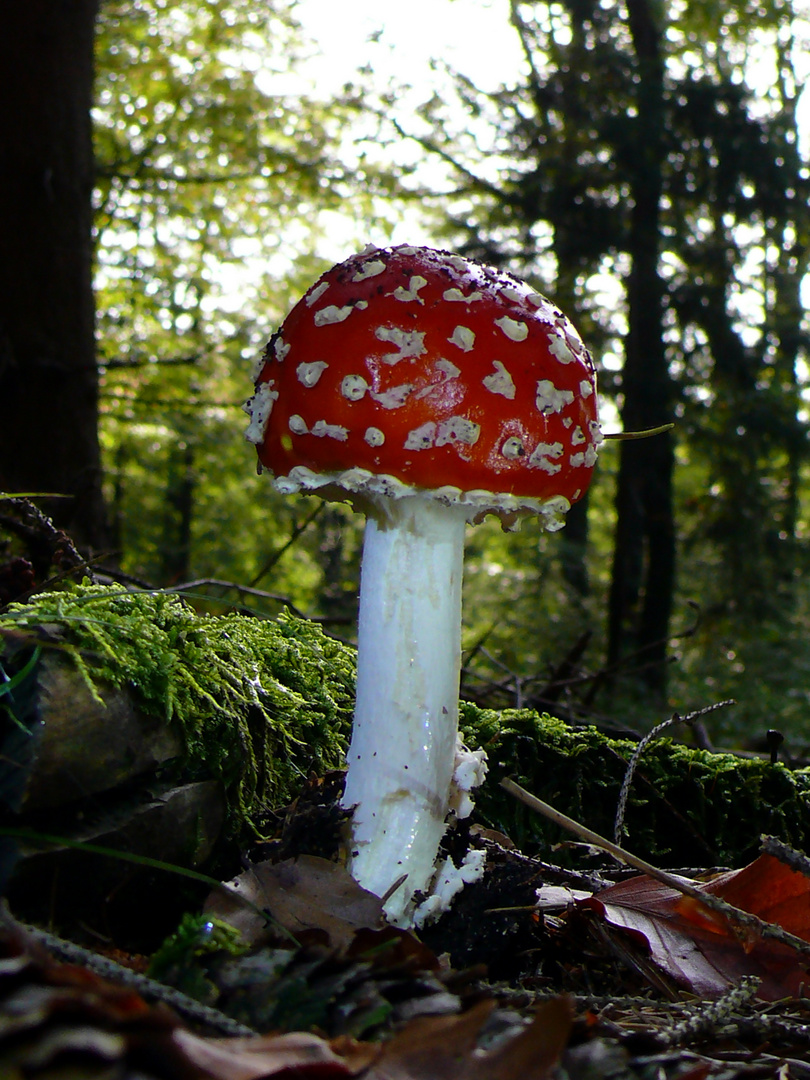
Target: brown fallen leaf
[
  {"x": 303, "y": 894},
  {"x": 299, "y": 1053},
  {"x": 445, "y": 1048},
  {"x": 699, "y": 947}
]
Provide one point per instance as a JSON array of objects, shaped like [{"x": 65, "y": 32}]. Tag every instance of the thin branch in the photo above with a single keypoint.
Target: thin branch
[
  {"x": 294, "y": 535},
  {"x": 744, "y": 919},
  {"x": 429, "y": 144},
  {"x": 188, "y": 586},
  {"x": 147, "y": 361},
  {"x": 618, "y": 827}
]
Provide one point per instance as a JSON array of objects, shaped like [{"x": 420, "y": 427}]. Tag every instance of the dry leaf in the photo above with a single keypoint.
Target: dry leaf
[
  {"x": 769, "y": 889},
  {"x": 267, "y": 1056},
  {"x": 699, "y": 947},
  {"x": 446, "y": 1047},
  {"x": 300, "y": 894}
]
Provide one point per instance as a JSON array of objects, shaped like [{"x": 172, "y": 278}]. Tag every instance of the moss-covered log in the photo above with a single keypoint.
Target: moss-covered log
[
  {"x": 259, "y": 705},
  {"x": 687, "y": 807}
]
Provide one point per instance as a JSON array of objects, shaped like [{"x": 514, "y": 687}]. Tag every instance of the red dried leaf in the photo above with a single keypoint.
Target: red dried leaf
[
  {"x": 769, "y": 889},
  {"x": 701, "y": 948}
]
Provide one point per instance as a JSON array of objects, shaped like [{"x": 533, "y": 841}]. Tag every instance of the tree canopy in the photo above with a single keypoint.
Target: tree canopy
[
  {"x": 644, "y": 165},
  {"x": 212, "y": 189}
]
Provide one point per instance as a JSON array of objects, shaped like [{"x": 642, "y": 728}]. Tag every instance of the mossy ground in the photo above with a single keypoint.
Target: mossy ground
[
  {"x": 687, "y": 807},
  {"x": 262, "y": 704},
  {"x": 259, "y": 703}
]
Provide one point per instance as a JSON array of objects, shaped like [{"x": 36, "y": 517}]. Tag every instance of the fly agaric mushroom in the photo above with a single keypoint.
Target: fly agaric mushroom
[{"x": 428, "y": 390}]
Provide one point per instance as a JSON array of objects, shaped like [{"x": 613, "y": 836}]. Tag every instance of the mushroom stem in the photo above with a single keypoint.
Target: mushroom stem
[{"x": 402, "y": 753}]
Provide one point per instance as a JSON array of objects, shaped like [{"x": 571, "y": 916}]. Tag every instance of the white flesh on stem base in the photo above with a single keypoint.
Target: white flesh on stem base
[{"x": 401, "y": 758}]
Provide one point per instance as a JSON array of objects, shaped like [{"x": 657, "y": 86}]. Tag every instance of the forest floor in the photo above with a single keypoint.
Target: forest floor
[{"x": 527, "y": 976}]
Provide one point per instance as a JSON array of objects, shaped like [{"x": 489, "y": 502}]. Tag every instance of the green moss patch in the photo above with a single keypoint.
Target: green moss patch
[
  {"x": 259, "y": 703},
  {"x": 263, "y": 703},
  {"x": 687, "y": 807}
]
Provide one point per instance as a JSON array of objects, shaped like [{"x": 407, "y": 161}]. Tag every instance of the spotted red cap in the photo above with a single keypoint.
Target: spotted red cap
[{"x": 407, "y": 368}]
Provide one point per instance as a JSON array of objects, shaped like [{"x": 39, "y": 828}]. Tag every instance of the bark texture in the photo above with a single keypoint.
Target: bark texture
[{"x": 48, "y": 375}]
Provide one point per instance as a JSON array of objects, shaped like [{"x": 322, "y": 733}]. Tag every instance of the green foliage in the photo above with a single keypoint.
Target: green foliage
[
  {"x": 216, "y": 177},
  {"x": 259, "y": 703},
  {"x": 205, "y": 165},
  {"x": 180, "y": 960},
  {"x": 196, "y": 936}
]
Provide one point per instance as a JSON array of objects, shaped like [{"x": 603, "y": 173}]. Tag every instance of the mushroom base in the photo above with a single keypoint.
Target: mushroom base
[{"x": 402, "y": 753}]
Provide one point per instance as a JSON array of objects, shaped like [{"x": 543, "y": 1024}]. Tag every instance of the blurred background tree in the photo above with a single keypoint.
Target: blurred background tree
[
  {"x": 212, "y": 189},
  {"x": 643, "y": 164},
  {"x": 634, "y": 146}
]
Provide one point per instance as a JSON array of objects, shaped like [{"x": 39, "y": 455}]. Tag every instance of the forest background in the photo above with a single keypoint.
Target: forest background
[{"x": 165, "y": 196}]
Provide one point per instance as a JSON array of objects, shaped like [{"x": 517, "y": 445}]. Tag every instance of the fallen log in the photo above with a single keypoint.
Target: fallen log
[{"x": 129, "y": 697}]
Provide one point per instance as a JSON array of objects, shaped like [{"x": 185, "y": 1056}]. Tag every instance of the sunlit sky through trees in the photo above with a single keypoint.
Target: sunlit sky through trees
[
  {"x": 402, "y": 42},
  {"x": 407, "y": 44},
  {"x": 473, "y": 35},
  {"x": 399, "y": 41}
]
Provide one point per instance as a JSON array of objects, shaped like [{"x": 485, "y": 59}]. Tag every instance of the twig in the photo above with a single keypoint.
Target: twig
[
  {"x": 751, "y": 923},
  {"x": 676, "y": 718},
  {"x": 795, "y": 860},
  {"x": 187, "y": 586},
  {"x": 190, "y": 1008},
  {"x": 623, "y": 436},
  {"x": 300, "y": 528},
  {"x": 711, "y": 1014}
]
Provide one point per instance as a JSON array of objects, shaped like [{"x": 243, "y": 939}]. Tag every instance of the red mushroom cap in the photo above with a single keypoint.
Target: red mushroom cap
[{"x": 408, "y": 368}]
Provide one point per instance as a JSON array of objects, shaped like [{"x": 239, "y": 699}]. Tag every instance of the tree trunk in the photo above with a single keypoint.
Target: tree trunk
[
  {"x": 179, "y": 513},
  {"x": 48, "y": 377},
  {"x": 644, "y": 556}
]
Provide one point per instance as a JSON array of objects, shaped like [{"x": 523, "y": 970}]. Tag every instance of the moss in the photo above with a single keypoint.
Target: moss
[
  {"x": 259, "y": 703},
  {"x": 180, "y": 960},
  {"x": 686, "y": 806},
  {"x": 262, "y": 704}
]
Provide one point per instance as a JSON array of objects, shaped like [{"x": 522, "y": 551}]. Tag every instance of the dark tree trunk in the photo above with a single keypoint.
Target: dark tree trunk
[
  {"x": 574, "y": 548},
  {"x": 644, "y": 557},
  {"x": 570, "y": 262},
  {"x": 48, "y": 377},
  {"x": 179, "y": 519}
]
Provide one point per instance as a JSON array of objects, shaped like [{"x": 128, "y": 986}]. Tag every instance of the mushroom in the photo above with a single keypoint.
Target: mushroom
[{"x": 427, "y": 390}]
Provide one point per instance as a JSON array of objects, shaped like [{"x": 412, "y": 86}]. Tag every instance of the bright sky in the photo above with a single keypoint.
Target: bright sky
[
  {"x": 399, "y": 40},
  {"x": 473, "y": 35}
]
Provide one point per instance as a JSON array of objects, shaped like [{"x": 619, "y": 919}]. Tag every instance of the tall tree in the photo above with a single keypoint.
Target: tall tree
[
  {"x": 48, "y": 377},
  {"x": 644, "y": 551},
  {"x": 744, "y": 250}
]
